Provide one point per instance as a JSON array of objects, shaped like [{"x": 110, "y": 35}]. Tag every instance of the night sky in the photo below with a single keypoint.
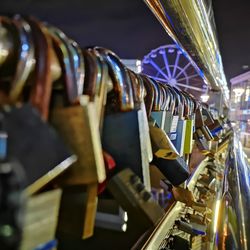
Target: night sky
[{"x": 130, "y": 29}]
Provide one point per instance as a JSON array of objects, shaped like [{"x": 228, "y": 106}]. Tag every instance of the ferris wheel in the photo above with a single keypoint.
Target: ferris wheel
[{"x": 169, "y": 64}]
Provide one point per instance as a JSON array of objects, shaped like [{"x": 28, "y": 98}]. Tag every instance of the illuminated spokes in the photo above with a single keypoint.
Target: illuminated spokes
[{"x": 169, "y": 64}]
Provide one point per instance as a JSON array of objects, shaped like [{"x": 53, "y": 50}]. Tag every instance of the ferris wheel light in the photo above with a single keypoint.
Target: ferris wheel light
[
  {"x": 170, "y": 64},
  {"x": 205, "y": 97},
  {"x": 238, "y": 91}
]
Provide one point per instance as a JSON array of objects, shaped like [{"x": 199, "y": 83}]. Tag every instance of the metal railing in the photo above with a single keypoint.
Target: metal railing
[{"x": 234, "y": 217}]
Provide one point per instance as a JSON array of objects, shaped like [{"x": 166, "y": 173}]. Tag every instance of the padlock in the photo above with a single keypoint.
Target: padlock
[
  {"x": 77, "y": 212},
  {"x": 216, "y": 127},
  {"x": 175, "y": 170},
  {"x": 188, "y": 143},
  {"x": 207, "y": 116},
  {"x": 181, "y": 126},
  {"x": 172, "y": 118},
  {"x": 177, "y": 242},
  {"x": 102, "y": 87},
  {"x": 190, "y": 228},
  {"x": 207, "y": 133},
  {"x": 138, "y": 86},
  {"x": 143, "y": 118},
  {"x": 123, "y": 92},
  {"x": 161, "y": 144},
  {"x": 77, "y": 123},
  {"x": 172, "y": 166},
  {"x": 23, "y": 123},
  {"x": 126, "y": 143},
  {"x": 183, "y": 195},
  {"x": 200, "y": 124},
  {"x": 195, "y": 218},
  {"x": 201, "y": 141},
  {"x": 131, "y": 194},
  {"x": 159, "y": 101}
]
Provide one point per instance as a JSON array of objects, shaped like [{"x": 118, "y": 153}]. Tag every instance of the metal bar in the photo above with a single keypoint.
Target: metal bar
[
  {"x": 191, "y": 87},
  {"x": 158, "y": 68},
  {"x": 180, "y": 84},
  {"x": 183, "y": 70},
  {"x": 166, "y": 64},
  {"x": 176, "y": 63},
  {"x": 188, "y": 77}
]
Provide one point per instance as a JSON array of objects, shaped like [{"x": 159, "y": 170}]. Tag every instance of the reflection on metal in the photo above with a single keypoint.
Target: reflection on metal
[
  {"x": 234, "y": 219},
  {"x": 204, "y": 98},
  {"x": 191, "y": 25},
  {"x": 4, "y": 45}
]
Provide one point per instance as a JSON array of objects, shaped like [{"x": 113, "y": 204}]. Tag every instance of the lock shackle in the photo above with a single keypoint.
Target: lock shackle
[
  {"x": 41, "y": 87},
  {"x": 199, "y": 118},
  {"x": 140, "y": 87},
  {"x": 166, "y": 99},
  {"x": 157, "y": 100},
  {"x": 192, "y": 105},
  {"x": 194, "y": 102},
  {"x": 163, "y": 95},
  {"x": 61, "y": 45},
  {"x": 186, "y": 108},
  {"x": 171, "y": 105},
  {"x": 155, "y": 94},
  {"x": 91, "y": 74},
  {"x": 120, "y": 77},
  {"x": 102, "y": 77},
  {"x": 79, "y": 65},
  {"x": 173, "y": 100},
  {"x": 136, "y": 88},
  {"x": 180, "y": 106},
  {"x": 149, "y": 98},
  {"x": 25, "y": 57},
  {"x": 187, "y": 105},
  {"x": 209, "y": 118}
]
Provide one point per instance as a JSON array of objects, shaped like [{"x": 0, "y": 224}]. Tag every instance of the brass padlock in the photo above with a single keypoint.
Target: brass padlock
[
  {"x": 77, "y": 212},
  {"x": 78, "y": 124},
  {"x": 161, "y": 144}
]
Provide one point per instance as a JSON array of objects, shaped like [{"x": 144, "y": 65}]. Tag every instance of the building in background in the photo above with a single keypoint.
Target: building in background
[{"x": 240, "y": 105}]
